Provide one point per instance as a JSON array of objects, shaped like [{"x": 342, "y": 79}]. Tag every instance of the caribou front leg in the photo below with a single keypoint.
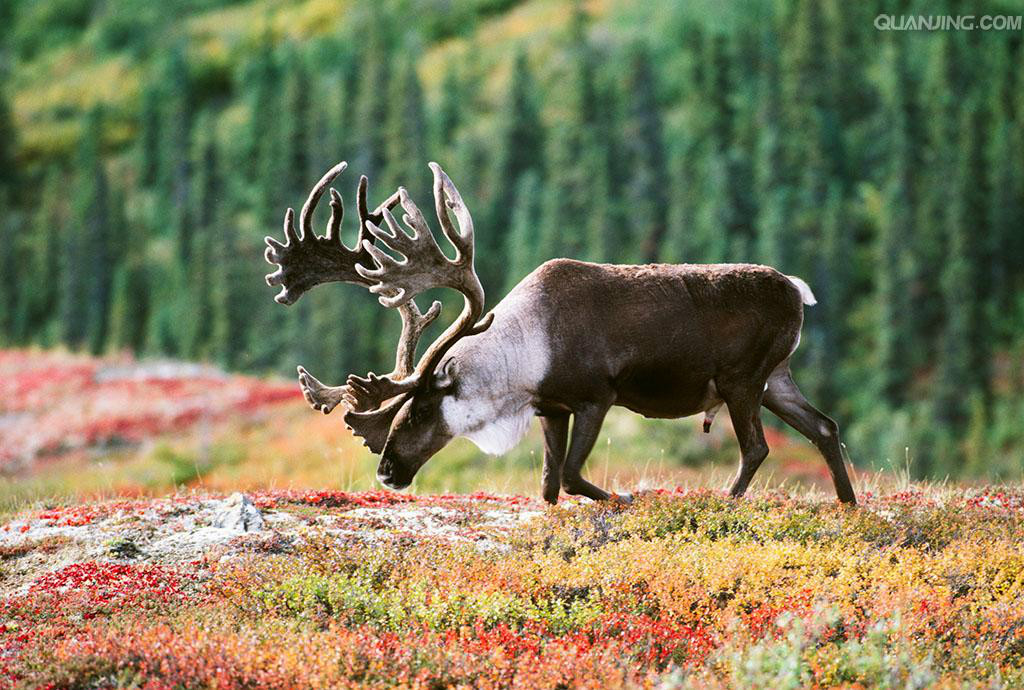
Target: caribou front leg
[
  {"x": 556, "y": 433},
  {"x": 320, "y": 396},
  {"x": 586, "y": 425}
]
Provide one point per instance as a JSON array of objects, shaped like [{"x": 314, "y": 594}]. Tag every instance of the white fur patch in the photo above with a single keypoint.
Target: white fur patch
[
  {"x": 497, "y": 374},
  {"x": 806, "y": 295},
  {"x": 502, "y": 434}
]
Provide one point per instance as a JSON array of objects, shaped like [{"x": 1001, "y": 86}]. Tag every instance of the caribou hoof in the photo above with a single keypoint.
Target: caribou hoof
[{"x": 624, "y": 499}]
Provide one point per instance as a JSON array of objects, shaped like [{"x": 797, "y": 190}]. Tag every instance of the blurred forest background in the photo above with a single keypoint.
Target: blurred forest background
[{"x": 146, "y": 148}]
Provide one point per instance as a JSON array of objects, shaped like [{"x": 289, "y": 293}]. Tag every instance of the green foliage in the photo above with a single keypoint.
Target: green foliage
[{"x": 883, "y": 168}]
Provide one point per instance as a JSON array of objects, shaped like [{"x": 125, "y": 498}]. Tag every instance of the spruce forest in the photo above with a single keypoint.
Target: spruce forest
[{"x": 147, "y": 148}]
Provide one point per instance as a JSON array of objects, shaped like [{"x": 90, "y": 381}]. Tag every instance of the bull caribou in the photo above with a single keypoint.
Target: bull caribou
[{"x": 572, "y": 339}]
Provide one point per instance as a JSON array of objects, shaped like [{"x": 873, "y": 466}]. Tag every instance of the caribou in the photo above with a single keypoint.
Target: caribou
[{"x": 570, "y": 341}]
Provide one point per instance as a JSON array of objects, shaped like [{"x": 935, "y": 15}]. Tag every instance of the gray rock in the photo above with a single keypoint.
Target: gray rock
[{"x": 238, "y": 513}]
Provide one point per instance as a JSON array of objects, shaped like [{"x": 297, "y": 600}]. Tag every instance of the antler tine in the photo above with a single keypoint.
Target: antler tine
[
  {"x": 306, "y": 215},
  {"x": 337, "y": 215},
  {"x": 462, "y": 239},
  {"x": 413, "y": 324}
]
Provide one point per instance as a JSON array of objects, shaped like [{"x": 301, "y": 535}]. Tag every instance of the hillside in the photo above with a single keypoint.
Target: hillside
[
  {"x": 153, "y": 146},
  {"x": 74, "y": 55}
]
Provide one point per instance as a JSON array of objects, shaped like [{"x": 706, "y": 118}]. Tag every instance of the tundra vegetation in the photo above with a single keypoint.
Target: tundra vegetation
[
  {"x": 103, "y": 585},
  {"x": 683, "y": 589}
]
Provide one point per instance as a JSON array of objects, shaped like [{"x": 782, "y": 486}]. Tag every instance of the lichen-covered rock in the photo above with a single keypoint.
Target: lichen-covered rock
[{"x": 239, "y": 513}]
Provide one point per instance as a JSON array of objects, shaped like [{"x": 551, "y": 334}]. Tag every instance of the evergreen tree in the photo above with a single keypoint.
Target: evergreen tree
[
  {"x": 937, "y": 170},
  {"x": 42, "y": 278},
  {"x": 86, "y": 267},
  {"x": 373, "y": 105},
  {"x": 519, "y": 148},
  {"x": 810, "y": 156},
  {"x": 296, "y": 120},
  {"x": 129, "y": 311},
  {"x": 263, "y": 99},
  {"x": 232, "y": 312},
  {"x": 895, "y": 236},
  {"x": 1004, "y": 166},
  {"x": 963, "y": 364},
  {"x": 175, "y": 145},
  {"x": 568, "y": 192},
  {"x": 9, "y": 243},
  {"x": 523, "y": 237},
  {"x": 832, "y": 288},
  {"x": 645, "y": 162},
  {"x": 679, "y": 245},
  {"x": 450, "y": 110},
  {"x": 205, "y": 198},
  {"x": 774, "y": 233},
  {"x": 8, "y": 267},
  {"x": 257, "y": 334},
  {"x": 405, "y": 140},
  {"x": 149, "y": 139}
]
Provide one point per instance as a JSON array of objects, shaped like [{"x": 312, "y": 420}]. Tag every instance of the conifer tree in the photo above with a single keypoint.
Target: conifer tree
[
  {"x": 1005, "y": 171},
  {"x": 570, "y": 170},
  {"x": 205, "y": 197},
  {"x": 679, "y": 245},
  {"x": 519, "y": 148},
  {"x": 87, "y": 263},
  {"x": 645, "y": 161},
  {"x": 520, "y": 249},
  {"x": 296, "y": 118},
  {"x": 175, "y": 145},
  {"x": 149, "y": 139},
  {"x": 963, "y": 365},
  {"x": 450, "y": 109},
  {"x": 129, "y": 310},
  {"x": 405, "y": 140},
  {"x": 8, "y": 267},
  {"x": 373, "y": 105},
  {"x": 932, "y": 210},
  {"x": 774, "y": 239},
  {"x": 895, "y": 235},
  {"x": 9, "y": 241},
  {"x": 277, "y": 187},
  {"x": 42, "y": 279},
  {"x": 232, "y": 311}
]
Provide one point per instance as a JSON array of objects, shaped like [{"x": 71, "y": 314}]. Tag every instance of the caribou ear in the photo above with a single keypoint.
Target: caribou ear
[{"x": 444, "y": 378}]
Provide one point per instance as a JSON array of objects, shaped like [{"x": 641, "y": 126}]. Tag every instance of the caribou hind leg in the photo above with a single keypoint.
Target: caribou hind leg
[
  {"x": 787, "y": 402},
  {"x": 745, "y": 412}
]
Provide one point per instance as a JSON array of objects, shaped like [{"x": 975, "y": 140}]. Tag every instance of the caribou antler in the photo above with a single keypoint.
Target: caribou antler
[
  {"x": 423, "y": 266},
  {"x": 306, "y": 259}
]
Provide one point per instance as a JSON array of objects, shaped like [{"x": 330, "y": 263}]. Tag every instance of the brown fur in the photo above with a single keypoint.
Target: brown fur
[
  {"x": 670, "y": 341},
  {"x": 662, "y": 340}
]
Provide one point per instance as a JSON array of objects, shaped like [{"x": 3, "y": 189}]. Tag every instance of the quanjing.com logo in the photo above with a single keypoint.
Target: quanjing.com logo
[{"x": 946, "y": 22}]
